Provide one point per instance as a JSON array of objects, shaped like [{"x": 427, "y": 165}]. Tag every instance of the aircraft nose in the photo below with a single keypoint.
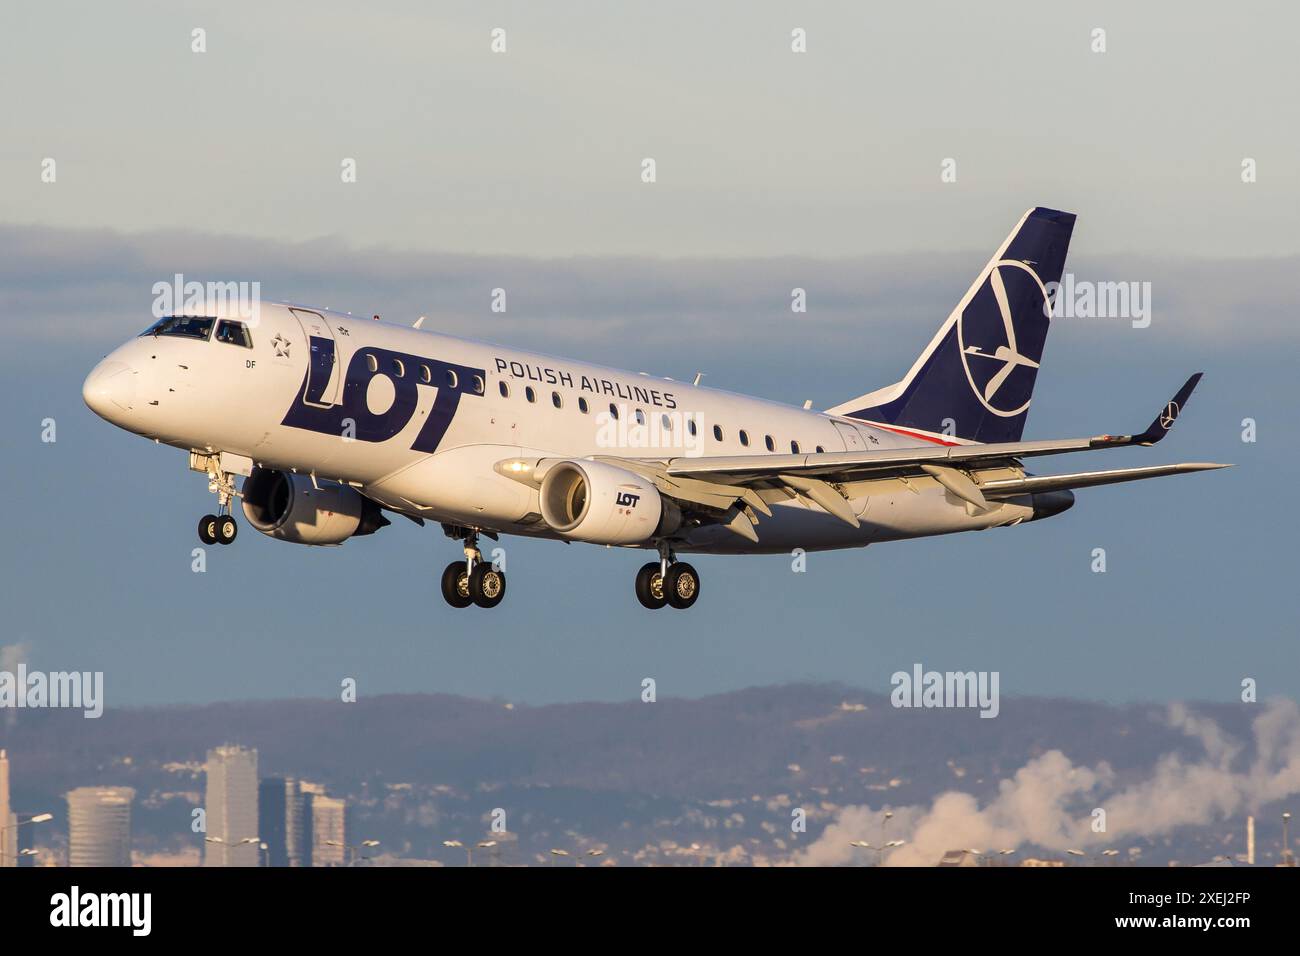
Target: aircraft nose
[{"x": 109, "y": 389}]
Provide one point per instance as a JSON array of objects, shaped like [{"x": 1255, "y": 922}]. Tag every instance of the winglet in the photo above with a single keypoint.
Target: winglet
[{"x": 1169, "y": 414}]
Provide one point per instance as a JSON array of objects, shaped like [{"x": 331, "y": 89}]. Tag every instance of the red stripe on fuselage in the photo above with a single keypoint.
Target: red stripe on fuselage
[{"x": 910, "y": 434}]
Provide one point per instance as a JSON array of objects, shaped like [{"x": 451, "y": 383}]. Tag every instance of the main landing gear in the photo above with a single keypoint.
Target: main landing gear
[
  {"x": 473, "y": 581},
  {"x": 667, "y": 581},
  {"x": 219, "y": 528}
]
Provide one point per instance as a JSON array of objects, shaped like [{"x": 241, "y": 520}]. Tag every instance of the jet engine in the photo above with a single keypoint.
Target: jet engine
[
  {"x": 290, "y": 507},
  {"x": 604, "y": 504}
]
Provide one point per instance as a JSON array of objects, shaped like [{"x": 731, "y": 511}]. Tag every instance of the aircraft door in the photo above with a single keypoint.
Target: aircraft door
[
  {"x": 324, "y": 374},
  {"x": 851, "y": 436}
]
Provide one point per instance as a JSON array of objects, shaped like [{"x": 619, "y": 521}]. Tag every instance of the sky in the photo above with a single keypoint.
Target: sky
[
  {"x": 773, "y": 170},
  {"x": 758, "y": 150}
]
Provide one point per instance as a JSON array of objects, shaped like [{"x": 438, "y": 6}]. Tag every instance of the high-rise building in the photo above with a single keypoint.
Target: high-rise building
[
  {"x": 8, "y": 821},
  {"x": 329, "y": 830},
  {"x": 303, "y": 851},
  {"x": 231, "y": 808},
  {"x": 99, "y": 826},
  {"x": 273, "y": 818},
  {"x": 298, "y": 823}
]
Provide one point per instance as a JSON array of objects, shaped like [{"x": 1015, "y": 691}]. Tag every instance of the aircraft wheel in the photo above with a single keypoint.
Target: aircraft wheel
[
  {"x": 682, "y": 585},
  {"x": 208, "y": 529},
  {"x": 650, "y": 587},
  {"x": 455, "y": 584},
  {"x": 487, "y": 585},
  {"x": 226, "y": 529}
]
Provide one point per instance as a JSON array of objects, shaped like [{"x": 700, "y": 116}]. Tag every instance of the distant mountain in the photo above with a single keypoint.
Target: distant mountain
[{"x": 641, "y": 780}]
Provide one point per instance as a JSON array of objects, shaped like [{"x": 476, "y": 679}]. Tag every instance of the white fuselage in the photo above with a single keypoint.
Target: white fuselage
[{"x": 384, "y": 415}]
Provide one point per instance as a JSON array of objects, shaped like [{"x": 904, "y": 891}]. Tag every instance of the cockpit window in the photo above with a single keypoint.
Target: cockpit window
[
  {"x": 233, "y": 333},
  {"x": 186, "y": 326}
]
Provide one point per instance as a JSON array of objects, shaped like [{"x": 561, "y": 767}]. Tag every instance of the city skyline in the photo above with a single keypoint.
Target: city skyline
[{"x": 468, "y": 814}]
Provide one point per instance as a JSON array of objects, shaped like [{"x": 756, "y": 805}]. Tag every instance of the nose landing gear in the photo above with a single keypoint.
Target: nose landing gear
[
  {"x": 667, "y": 581},
  {"x": 219, "y": 528},
  {"x": 473, "y": 581}
]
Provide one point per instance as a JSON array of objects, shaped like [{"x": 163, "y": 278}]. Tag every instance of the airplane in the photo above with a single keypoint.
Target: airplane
[{"x": 334, "y": 422}]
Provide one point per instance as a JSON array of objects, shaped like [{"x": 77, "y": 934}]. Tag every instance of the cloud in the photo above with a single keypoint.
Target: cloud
[
  {"x": 1047, "y": 803},
  {"x": 78, "y": 284}
]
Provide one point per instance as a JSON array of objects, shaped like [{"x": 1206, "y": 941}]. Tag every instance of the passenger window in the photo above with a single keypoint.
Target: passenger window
[
  {"x": 667, "y": 422},
  {"x": 613, "y": 411},
  {"x": 372, "y": 363},
  {"x": 504, "y": 389},
  {"x": 744, "y": 438},
  {"x": 556, "y": 400},
  {"x": 640, "y": 417},
  {"x": 794, "y": 448},
  {"x": 821, "y": 450},
  {"x": 582, "y": 405},
  {"x": 452, "y": 380},
  {"x": 690, "y": 425},
  {"x": 717, "y": 433},
  {"x": 478, "y": 384},
  {"x": 530, "y": 394},
  {"x": 399, "y": 368},
  {"x": 426, "y": 376},
  {"x": 233, "y": 333},
  {"x": 771, "y": 445}
]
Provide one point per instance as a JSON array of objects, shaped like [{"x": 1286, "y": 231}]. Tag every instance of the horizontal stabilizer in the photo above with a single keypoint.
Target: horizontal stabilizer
[{"x": 1008, "y": 487}]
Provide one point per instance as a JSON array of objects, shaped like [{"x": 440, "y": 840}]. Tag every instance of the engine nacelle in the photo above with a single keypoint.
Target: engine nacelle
[
  {"x": 291, "y": 508},
  {"x": 603, "y": 504}
]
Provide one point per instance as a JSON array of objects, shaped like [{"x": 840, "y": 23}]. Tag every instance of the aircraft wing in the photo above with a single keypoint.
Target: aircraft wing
[
  {"x": 739, "y": 485},
  {"x": 846, "y": 465}
]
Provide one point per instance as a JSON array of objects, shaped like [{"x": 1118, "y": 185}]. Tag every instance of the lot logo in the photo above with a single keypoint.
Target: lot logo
[
  {"x": 133, "y": 910},
  {"x": 626, "y": 499},
  {"x": 1000, "y": 359},
  {"x": 403, "y": 375}
]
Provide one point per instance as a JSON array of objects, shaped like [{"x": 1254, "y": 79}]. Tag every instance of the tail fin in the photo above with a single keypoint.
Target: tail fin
[{"x": 975, "y": 378}]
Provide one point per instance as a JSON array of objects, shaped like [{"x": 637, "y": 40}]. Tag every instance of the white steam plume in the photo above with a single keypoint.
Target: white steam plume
[{"x": 1048, "y": 802}]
